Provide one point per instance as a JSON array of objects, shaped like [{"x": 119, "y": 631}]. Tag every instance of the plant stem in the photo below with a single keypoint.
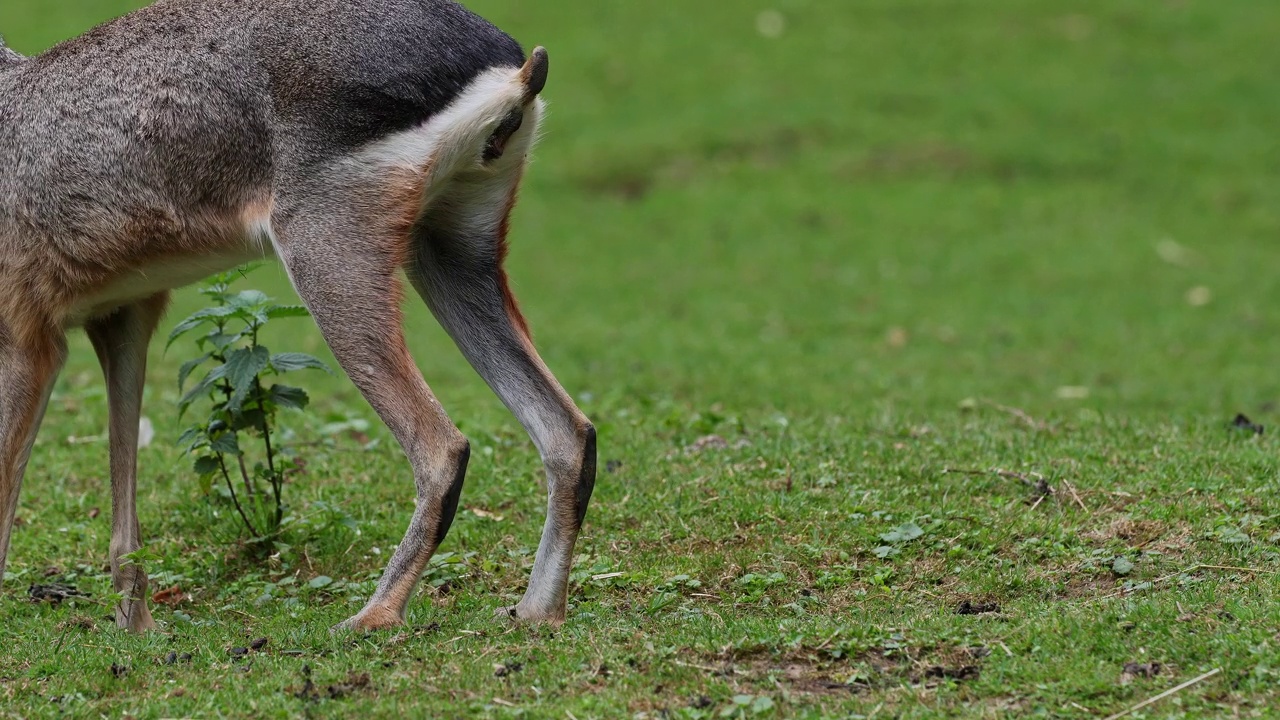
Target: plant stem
[
  {"x": 244, "y": 473},
  {"x": 276, "y": 480},
  {"x": 266, "y": 430},
  {"x": 236, "y": 501}
]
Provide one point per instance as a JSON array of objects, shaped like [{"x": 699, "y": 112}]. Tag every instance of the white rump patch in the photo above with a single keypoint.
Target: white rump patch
[{"x": 451, "y": 143}]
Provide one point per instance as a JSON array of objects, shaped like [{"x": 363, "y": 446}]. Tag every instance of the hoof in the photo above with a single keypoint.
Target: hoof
[
  {"x": 135, "y": 619},
  {"x": 520, "y": 615},
  {"x": 369, "y": 620}
]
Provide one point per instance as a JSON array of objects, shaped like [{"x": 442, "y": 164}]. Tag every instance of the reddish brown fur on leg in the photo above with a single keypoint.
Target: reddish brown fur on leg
[{"x": 508, "y": 297}]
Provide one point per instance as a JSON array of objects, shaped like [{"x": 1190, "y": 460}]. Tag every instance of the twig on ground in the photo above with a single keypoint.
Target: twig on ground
[
  {"x": 1166, "y": 694},
  {"x": 1030, "y": 478},
  {"x": 827, "y": 642},
  {"x": 1074, "y": 494},
  {"x": 1021, "y": 415},
  {"x": 1241, "y": 569}
]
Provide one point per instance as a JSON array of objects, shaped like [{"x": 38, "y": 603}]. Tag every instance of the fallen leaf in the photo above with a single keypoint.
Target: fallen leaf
[{"x": 169, "y": 596}]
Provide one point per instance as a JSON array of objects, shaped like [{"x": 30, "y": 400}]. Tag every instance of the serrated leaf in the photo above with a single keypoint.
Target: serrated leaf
[
  {"x": 248, "y": 299},
  {"x": 207, "y": 465},
  {"x": 196, "y": 319},
  {"x": 201, "y": 388},
  {"x": 187, "y": 436},
  {"x": 248, "y": 420},
  {"x": 227, "y": 443},
  {"x": 288, "y": 362},
  {"x": 287, "y": 311},
  {"x": 188, "y": 439},
  {"x": 1122, "y": 565},
  {"x": 289, "y": 397},
  {"x": 188, "y": 366},
  {"x": 223, "y": 340},
  {"x": 243, "y": 366},
  {"x": 905, "y": 532}
]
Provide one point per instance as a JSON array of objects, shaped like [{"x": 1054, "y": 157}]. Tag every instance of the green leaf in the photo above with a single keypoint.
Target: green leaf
[
  {"x": 248, "y": 420},
  {"x": 190, "y": 438},
  {"x": 188, "y": 435},
  {"x": 1232, "y": 536},
  {"x": 223, "y": 340},
  {"x": 207, "y": 465},
  {"x": 288, "y": 362},
  {"x": 1122, "y": 565},
  {"x": 905, "y": 532},
  {"x": 243, "y": 366},
  {"x": 248, "y": 299},
  {"x": 227, "y": 443},
  {"x": 196, "y": 319},
  {"x": 188, "y": 366},
  {"x": 289, "y": 397},
  {"x": 286, "y": 311},
  {"x": 320, "y": 581},
  {"x": 764, "y": 703},
  {"x": 201, "y": 388}
]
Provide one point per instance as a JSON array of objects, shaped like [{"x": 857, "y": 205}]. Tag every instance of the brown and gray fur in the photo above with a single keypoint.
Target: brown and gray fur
[{"x": 352, "y": 140}]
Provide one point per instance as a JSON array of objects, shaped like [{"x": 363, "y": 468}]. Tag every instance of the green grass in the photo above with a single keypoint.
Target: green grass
[{"x": 901, "y": 246}]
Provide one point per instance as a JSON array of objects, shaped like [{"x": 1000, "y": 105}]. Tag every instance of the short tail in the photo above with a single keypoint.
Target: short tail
[{"x": 478, "y": 127}]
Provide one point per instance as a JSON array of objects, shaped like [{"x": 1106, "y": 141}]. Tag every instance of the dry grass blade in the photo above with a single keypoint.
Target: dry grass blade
[
  {"x": 1165, "y": 694},
  {"x": 1021, "y": 415},
  {"x": 1194, "y": 568}
]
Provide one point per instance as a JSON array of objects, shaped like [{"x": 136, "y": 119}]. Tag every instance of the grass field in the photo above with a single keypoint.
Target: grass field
[{"x": 970, "y": 291}]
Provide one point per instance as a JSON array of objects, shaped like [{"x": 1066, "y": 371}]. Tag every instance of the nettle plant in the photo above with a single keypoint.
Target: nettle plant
[{"x": 242, "y": 403}]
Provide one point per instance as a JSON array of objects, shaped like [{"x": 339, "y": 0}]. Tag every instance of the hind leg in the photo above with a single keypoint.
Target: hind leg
[
  {"x": 457, "y": 268},
  {"x": 28, "y": 367},
  {"x": 121, "y": 341},
  {"x": 346, "y": 272}
]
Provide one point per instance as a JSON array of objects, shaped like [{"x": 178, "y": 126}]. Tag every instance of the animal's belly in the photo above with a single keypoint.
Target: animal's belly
[{"x": 166, "y": 274}]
